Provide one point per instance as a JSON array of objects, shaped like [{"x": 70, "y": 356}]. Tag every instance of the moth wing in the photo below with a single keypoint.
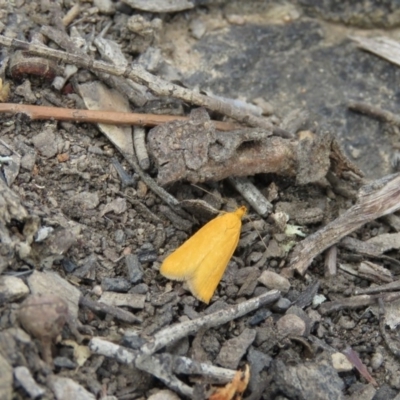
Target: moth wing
[
  {"x": 221, "y": 245},
  {"x": 185, "y": 260}
]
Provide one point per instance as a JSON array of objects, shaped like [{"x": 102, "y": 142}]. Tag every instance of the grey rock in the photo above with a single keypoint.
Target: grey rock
[
  {"x": 67, "y": 389},
  {"x": 115, "y": 285},
  {"x": 233, "y": 349},
  {"x": 12, "y": 289},
  {"x": 23, "y": 376},
  {"x": 134, "y": 268}
]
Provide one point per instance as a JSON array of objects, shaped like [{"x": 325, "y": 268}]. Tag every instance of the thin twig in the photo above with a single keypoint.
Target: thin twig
[
  {"x": 374, "y": 112},
  {"x": 380, "y": 198},
  {"x": 183, "y": 329},
  {"x": 101, "y": 117},
  {"x": 140, "y": 75}
]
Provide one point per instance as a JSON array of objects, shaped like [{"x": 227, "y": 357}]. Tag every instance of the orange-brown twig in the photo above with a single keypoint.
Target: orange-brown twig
[{"x": 104, "y": 117}]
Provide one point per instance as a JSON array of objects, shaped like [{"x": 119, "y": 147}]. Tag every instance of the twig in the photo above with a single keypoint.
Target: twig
[
  {"x": 162, "y": 365},
  {"x": 375, "y": 112},
  {"x": 392, "y": 286},
  {"x": 105, "y": 117},
  {"x": 139, "y": 75},
  {"x": 384, "y": 47},
  {"x": 390, "y": 344},
  {"x": 355, "y": 302},
  {"x": 255, "y": 198},
  {"x": 175, "y": 332},
  {"x": 116, "y": 312},
  {"x": 380, "y": 198}
]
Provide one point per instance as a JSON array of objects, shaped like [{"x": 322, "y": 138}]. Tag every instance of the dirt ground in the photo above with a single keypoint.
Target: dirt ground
[{"x": 84, "y": 310}]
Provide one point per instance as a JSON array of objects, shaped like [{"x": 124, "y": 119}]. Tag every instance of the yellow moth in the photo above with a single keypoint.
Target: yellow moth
[{"x": 202, "y": 259}]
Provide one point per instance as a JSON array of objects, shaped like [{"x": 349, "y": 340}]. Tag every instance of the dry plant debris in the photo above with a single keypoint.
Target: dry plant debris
[{"x": 83, "y": 236}]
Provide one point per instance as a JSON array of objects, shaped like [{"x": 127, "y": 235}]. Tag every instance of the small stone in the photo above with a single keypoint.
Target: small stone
[
  {"x": 260, "y": 316},
  {"x": 86, "y": 200},
  {"x": 291, "y": 325},
  {"x": 281, "y": 305},
  {"x": 45, "y": 283},
  {"x": 341, "y": 363},
  {"x": 318, "y": 299},
  {"x": 12, "y": 289},
  {"x": 67, "y": 389},
  {"x": 25, "y": 379},
  {"x": 142, "y": 288},
  {"x": 6, "y": 379},
  {"x": 105, "y": 6},
  {"x": 134, "y": 268},
  {"x": 273, "y": 280},
  {"x": 132, "y": 339},
  {"x": 115, "y": 285},
  {"x": 62, "y": 157},
  {"x": 233, "y": 349},
  {"x": 197, "y": 28},
  {"x": 377, "y": 360},
  {"x": 163, "y": 395},
  {"x": 235, "y": 19},
  {"x": 141, "y": 190},
  {"x": 97, "y": 290},
  {"x": 119, "y": 236},
  {"x": 347, "y": 322},
  {"x": 64, "y": 362},
  {"x": 123, "y": 299},
  {"x": 250, "y": 283},
  {"x": 45, "y": 143}
]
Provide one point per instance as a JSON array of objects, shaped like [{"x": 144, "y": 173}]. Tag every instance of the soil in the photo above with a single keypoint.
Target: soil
[{"x": 105, "y": 234}]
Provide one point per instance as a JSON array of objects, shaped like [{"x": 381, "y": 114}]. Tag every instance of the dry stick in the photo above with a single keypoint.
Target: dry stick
[
  {"x": 375, "y": 112},
  {"x": 356, "y": 302},
  {"x": 130, "y": 357},
  {"x": 183, "y": 329},
  {"x": 160, "y": 365},
  {"x": 392, "y": 286},
  {"x": 101, "y": 117},
  {"x": 375, "y": 200},
  {"x": 384, "y": 47},
  {"x": 139, "y": 75}
]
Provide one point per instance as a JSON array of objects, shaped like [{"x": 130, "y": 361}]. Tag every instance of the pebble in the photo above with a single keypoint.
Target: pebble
[
  {"x": 23, "y": 376},
  {"x": 132, "y": 339},
  {"x": 64, "y": 362},
  {"x": 346, "y": 322},
  {"x": 52, "y": 283},
  {"x": 142, "y": 288},
  {"x": 119, "y": 236},
  {"x": 134, "y": 268},
  {"x": 115, "y": 285},
  {"x": 105, "y": 6},
  {"x": 197, "y": 28},
  {"x": 291, "y": 325},
  {"x": 233, "y": 349},
  {"x": 273, "y": 280},
  {"x": 123, "y": 299},
  {"x": 250, "y": 283},
  {"x": 377, "y": 360},
  {"x": 260, "y": 316},
  {"x": 12, "y": 289},
  {"x": 341, "y": 363},
  {"x": 163, "y": 395},
  {"x": 45, "y": 143},
  {"x": 258, "y": 361},
  {"x": 318, "y": 299},
  {"x": 281, "y": 305},
  {"x": 67, "y": 389}
]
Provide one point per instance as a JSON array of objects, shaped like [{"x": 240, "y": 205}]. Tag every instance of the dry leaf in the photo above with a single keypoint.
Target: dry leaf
[{"x": 235, "y": 389}]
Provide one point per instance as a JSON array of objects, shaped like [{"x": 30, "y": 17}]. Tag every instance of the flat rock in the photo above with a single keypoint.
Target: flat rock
[
  {"x": 52, "y": 283},
  {"x": 67, "y": 389},
  {"x": 25, "y": 379},
  {"x": 233, "y": 349},
  {"x": 131, "y": 300},
  {"x": 12, "y": 289}
]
